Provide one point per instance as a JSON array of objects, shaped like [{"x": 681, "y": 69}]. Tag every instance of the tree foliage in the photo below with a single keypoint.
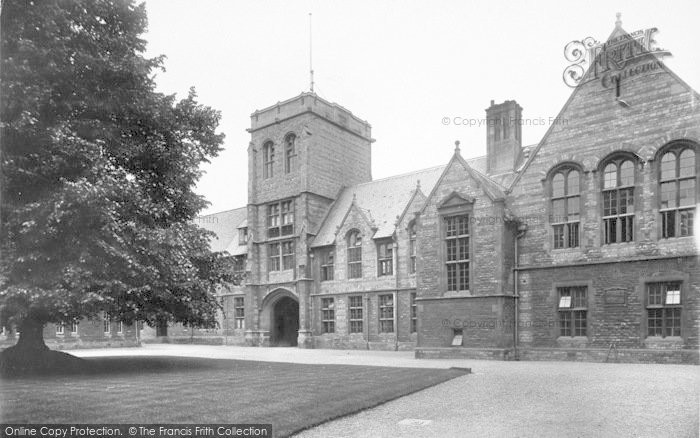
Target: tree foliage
[{"x": 98, "y": 172}]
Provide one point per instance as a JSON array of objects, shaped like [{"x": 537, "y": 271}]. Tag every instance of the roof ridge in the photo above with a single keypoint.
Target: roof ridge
[
  {"x": 397, "y": 176},
  {"x": 223, "y": 211}
]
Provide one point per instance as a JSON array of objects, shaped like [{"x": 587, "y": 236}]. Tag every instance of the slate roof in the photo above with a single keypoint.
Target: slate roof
[
  {"x": 225, "y": 224},
  {"x": 380, "y": 200}
]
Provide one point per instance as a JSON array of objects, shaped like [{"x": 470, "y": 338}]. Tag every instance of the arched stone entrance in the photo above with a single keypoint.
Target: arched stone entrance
[{"x": 284, "y": 324}]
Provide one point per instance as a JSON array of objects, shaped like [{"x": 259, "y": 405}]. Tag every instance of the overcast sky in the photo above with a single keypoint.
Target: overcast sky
[{"x": 401, "y": 65}]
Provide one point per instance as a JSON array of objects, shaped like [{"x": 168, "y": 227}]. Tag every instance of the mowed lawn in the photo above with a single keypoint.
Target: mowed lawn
[{"x": 193, "y": 390}]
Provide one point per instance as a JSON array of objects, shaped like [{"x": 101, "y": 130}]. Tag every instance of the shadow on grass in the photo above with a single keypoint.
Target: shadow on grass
[{"x": 58, "y": 363}]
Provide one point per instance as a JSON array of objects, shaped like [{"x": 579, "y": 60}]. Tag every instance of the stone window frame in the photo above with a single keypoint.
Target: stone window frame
[
  {"x": 555, "y": 329},
  {"x": 386, "y": 310},
  {"x": 60, "y": 329},
  {"x": 120, "y": 327},
  {"x": 573, "y": 308},
  {"x": 239, "y": 312},
  {"x": 106, "y": 325},
  {"x": 414, "y": 312},
  {"x": 326, "y": 261},
  {"x": 74, "y": 328},
  {"x": 356, "y": 314},
  {"x": 287, "y": 250},
  {"x": 279, "y": 218},
  {"x": 412, "y": 248},
  {"x": 268, "y": 152},
  {"x": 676, "y": 147},
  {"x": 290, "y": 152},
  {"x": 274, "y": 257},
  {"x": 354, "y": 254},
  {"x": 566, "y": 225},
  {"x": 686, "y": 320},
  {"x": 385, "y": 257},
  {"x": 618, "y": 159},
  {"x": 327, "y": 315},
  {"x": 463, "y": 208}
]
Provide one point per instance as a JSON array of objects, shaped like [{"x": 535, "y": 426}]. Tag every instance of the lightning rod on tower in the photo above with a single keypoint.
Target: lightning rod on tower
[{"x": 311, "y": 67}]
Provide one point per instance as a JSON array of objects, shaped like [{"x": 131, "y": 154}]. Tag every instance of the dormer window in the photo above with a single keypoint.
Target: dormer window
[
  {"x": 268, "y": 159},
  {"x": 242, "y": 236},
  {"x": 385, "y": 257},
  {"x": 327, "y": 261},
  {"x": 412, "y": 248},
  {"x": 354, "y": 242}
]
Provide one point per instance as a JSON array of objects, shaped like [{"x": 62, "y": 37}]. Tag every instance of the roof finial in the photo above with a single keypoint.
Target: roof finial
[
  {"x": 456, "y": 146},
  {"x": 618, "y": 22},
  {"x": 418, "y": 184}
]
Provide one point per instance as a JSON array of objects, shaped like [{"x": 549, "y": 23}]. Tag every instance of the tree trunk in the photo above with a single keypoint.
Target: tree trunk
[
  {"x": 31, "y": 335},
  {"x": 31, "y": 355}
]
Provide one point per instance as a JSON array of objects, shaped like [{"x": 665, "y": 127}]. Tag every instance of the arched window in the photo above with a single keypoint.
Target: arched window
[
  {"x": 566, "y": 207},
  {"x": 290, "y": 153},
  {"x": 618, "y": 200},
  {"x": 412, "y": 248},
  {"x": 354, "y": 242},
  {"x": 268, "y": 159},
  {"x": 678, "y": 190}
]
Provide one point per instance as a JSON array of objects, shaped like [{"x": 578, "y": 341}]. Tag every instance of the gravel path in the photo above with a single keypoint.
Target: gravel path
[{"x": 539, "y": 399}]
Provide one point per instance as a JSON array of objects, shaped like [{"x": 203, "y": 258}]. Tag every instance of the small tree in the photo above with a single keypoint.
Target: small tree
[{"x": 98, "y": 172}]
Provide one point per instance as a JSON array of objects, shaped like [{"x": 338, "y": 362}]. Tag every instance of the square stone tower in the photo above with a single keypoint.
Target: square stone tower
[{"x": 302, "y": 152}]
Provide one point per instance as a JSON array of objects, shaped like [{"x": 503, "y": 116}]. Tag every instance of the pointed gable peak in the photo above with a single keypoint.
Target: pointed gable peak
[{"x": 455, "y": 199}]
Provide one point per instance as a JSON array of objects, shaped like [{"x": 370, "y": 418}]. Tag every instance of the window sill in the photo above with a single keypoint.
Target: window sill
[
  {"x": 631, "y": 242},
  {"x": 455, "y": 293},
  {"x": 660, "y": 343}
]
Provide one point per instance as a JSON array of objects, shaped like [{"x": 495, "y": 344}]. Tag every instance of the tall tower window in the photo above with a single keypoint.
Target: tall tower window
[
  {"x": 677, "y": 187},
  {"x": 268, "y": 159},
  {"x": 290, "y": 153},
  {"x": 618, "y": 201},
  {"x": 280, "y": 219},
  {"x": 280, "y": 255},
  {"x": 566, "y": 200},
  {"x": 354, "y": 242}
]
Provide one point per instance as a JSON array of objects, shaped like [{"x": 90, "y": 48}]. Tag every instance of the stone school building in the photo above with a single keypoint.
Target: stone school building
[{"x": 583, "y": 246}]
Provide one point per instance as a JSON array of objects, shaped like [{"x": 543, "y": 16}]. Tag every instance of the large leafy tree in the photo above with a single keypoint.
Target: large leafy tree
[{"x": 98, "y": 171}]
